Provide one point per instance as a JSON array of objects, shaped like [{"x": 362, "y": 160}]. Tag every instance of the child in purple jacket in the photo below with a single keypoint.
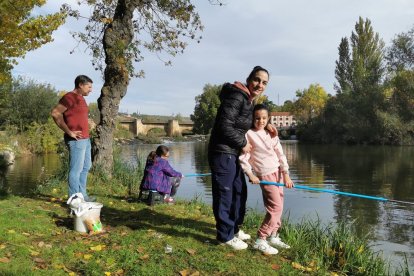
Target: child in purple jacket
[{"x": 158, "y": 173}]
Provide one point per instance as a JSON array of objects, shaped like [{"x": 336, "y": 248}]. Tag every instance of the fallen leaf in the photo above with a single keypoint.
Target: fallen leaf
[
  {"x": 188, "y": 272},
  {"x": 124, "y": 233},
  {"x": 2, "y": 246},
  {"x": 230, "y": 255},
  {"x": 41, "y": 244},
  {"x": 87, "y": 256},
  {"x": 140, "y": 250},
  {"x": 98, "y": 247},
  {"x": 191, "y": 251},
  {"x": 275, "y": 266},
  {"x": 39, "y": 260},
  {"x": 11, "y": 231},
  {"x": 297, "y": 266},
  {"x": 4, "y": 260},
  {"x": 145, "y": 257},
  {"x": 26, "y": 234},
  {"x": 34, "y": 253},
  {"x": 107, "y": 273}
]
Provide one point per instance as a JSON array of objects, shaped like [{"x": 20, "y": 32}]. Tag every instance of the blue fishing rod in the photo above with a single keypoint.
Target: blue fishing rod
[
  {"x": 337, "y": 192},
  {"x": 383, "y": 199}
]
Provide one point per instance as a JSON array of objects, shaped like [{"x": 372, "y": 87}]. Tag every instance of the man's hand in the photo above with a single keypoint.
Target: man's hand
[{"x": 77, "y": 134}]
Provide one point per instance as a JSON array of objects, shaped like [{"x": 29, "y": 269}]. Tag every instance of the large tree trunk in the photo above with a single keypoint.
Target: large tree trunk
[{"x": 117, "y": 37}]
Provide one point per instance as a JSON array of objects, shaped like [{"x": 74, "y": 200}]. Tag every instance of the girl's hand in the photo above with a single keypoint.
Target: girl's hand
[
  {"x": 252, "y": 178},
  {"x": 288, "y": 182}
]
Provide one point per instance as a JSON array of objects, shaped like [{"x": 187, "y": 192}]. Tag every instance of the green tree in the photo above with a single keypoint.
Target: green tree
[
  {"x": 400, "y": 55},
  {"x": 30, "y": 102},
  {"x": 205, "y": 109},
  {"x": 5, "y": 89},
  {"x": 264, "y": 99},
  {"x": 360, "y": 100},
  {"x": 367, "y": 69},
  {"x": 310, "y": 103},
  {"x": 288, "y": 106},
  {"x": 94, "y": 112},
  {"x": 343, "y": 68},
  {"x": 118, "y": 34},
  {"x": 21, "y": 32},
  {"x": 403, "y": 95}
]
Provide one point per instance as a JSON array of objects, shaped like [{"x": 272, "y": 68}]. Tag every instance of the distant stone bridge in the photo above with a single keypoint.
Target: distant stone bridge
[{"x": 171, "y": 127}]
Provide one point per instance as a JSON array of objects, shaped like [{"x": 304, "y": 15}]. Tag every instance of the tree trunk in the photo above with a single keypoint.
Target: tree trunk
[{"x": 117, "y": 37}]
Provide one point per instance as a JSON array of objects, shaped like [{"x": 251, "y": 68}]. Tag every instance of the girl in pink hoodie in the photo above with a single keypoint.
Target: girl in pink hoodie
[{"x": 268, "y": 162}]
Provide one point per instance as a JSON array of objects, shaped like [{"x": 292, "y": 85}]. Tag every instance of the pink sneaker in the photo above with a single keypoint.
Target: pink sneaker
[{"x": 169, "y": 200}]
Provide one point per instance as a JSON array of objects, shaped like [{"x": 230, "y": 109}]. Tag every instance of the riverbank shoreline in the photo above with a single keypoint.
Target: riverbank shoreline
[{"x": 37, "y": 237}]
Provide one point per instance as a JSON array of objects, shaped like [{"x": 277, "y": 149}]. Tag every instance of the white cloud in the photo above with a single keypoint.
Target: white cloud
[{"x": 295, "y": 40}]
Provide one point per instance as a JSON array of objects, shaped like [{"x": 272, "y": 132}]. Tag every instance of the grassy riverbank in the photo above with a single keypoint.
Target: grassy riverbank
[{"x": 36, "y": 238}]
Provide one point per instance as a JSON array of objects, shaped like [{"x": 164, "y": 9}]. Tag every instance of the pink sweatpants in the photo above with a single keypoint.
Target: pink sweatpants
[{"x": 273, "y": 203}]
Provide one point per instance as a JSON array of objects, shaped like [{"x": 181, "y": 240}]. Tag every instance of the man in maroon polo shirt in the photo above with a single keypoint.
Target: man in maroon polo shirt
[{"x": 71, "y": 115}]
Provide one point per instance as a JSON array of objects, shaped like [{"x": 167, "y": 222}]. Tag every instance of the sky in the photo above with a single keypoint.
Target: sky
[{"x": 296, "y": 40}]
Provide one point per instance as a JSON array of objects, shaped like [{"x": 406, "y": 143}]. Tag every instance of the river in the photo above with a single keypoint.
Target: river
[{"x": 378, "y": 171}]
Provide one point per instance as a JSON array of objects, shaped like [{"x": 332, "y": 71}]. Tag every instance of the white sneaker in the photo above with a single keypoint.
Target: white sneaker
[
  {"x": 275, "y": 240},
  {"x": 236, "y": 244},
  {"x": 263, "y": 246},
  {"x": 243, "y": 236}
]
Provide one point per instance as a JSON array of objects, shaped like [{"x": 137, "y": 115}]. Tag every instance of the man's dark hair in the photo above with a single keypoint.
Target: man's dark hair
[{"x": 82, "y": 79}]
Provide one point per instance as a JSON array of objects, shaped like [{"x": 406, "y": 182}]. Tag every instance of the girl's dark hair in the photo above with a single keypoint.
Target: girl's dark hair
[
  {"x": 160, "y": 151},
  {"x": 260, "y": 107},
  {"x": 151, "y": 156},
  {"x": 254, "y": 71}
]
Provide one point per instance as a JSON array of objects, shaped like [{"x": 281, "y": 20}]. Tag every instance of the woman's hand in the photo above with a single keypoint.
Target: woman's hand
[
  {"x": 247, "y": 148},
  {"x": 272, "y": 130}
]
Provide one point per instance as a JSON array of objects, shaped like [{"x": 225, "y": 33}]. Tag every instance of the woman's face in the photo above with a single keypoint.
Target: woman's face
[
  {"x": 257, "y": 84},
  {"x": 261, "y": 117}
]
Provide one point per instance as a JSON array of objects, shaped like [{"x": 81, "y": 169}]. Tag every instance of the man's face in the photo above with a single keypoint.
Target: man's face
[{"x": 85, "y": 88}]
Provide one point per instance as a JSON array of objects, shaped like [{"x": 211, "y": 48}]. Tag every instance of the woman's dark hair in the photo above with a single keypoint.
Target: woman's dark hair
[{"x": 254, "y": 71}]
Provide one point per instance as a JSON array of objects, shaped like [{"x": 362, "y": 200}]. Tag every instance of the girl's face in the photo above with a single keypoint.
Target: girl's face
[
  {"x": 261, "y": 117},
  {"x": 165, "y": 156},
  {"x": 257, "y": 84}
]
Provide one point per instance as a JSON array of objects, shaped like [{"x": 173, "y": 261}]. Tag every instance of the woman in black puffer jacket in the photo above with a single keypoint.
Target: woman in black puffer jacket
[{"x": 227, "y": 141}]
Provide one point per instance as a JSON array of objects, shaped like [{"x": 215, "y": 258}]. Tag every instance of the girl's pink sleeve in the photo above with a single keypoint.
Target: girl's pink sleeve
[{"x": 280, "y": 154}]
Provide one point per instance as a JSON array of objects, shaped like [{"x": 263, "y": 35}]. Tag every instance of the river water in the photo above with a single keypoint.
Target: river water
[{"x": 378, "y": 171}]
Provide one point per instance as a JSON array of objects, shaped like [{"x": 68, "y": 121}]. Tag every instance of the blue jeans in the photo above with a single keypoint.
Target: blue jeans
[
  {"x": 79, "y": 164},
  {"x": 229, "y": 191}
]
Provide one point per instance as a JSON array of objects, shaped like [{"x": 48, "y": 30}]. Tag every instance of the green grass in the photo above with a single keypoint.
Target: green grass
[{"x": 37, "y": 238}]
